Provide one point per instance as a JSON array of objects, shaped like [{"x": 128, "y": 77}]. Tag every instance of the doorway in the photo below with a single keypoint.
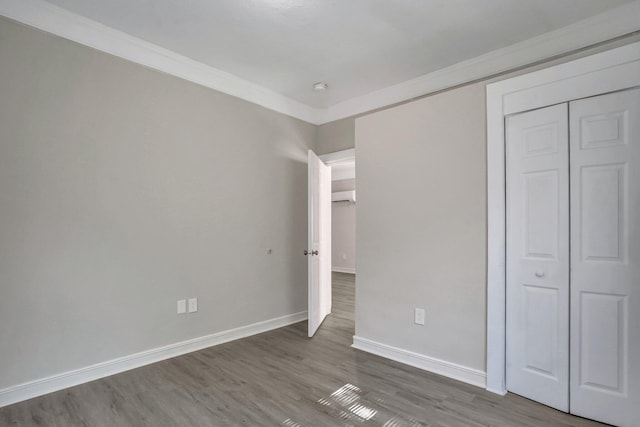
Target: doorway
[
  {"x": 343, "y": 210},
  {"x": 338, "y": 214}
]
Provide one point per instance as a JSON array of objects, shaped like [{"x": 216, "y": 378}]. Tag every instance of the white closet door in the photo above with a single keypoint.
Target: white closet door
[
  {"x": 538, "y": 255},
  {"x": 605, "y": 258}
]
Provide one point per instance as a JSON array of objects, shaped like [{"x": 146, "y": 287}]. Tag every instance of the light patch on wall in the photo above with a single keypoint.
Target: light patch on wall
[{"x": 296, "y": 153}]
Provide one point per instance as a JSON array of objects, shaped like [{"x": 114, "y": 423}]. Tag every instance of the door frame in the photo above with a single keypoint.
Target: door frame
[{"x": 609, "y": 71}]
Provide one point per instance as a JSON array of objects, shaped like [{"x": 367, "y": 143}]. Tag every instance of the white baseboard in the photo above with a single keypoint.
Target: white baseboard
[
  {"x": 344, "y": 270},
  {"x": 500, "y": 392},
  {"x": 57, "y": 382},
  {"x": 431, "y": 364}
]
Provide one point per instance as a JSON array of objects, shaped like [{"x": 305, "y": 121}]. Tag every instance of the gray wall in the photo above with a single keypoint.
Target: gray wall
[
  {"x": 343, "y": 229},
  {"x": 343, "y": 185},
  {"x": 336, "y": 136},
  {"x": 422, "y": 226},
  {"x": 343, "y": 237},
  {"x": 122, "y": 190}
]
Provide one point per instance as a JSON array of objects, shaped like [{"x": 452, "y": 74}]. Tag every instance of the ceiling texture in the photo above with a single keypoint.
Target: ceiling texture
[{"x": 358, "y": 47}]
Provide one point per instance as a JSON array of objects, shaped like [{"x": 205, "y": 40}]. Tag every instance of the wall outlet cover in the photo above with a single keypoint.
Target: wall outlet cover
[
  {"x": 419, "y": 316},
  {"x": 182, "y": 306},
  {"x": 193, "y": 305}
]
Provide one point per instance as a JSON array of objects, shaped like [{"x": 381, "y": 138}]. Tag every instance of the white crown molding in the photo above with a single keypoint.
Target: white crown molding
[
  {"x": 339, "y": 157},
  {"x": 53, "y": 19},
  {"x": 53, "y": 383},
  {"x": 606, "y": 26},
  {"x": 427, "y": 363},
  {"x": 47, "y": 17}
]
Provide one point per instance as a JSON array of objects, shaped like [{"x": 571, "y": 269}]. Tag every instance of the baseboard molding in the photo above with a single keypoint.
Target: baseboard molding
[
  {"x": 431, "y": 364},
  {"x": 500, "y": 392},
  {"x": 57, "y": 382},
  {"x": 344, "y": 270}
]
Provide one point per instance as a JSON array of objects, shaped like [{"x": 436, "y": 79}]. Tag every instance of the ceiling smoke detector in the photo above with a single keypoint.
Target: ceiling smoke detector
[{"x": 320, "y": 87}]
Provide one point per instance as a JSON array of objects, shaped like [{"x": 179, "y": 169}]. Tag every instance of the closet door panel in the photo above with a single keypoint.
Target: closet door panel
[
  {"x": 605, "y": 257},
  {"x": 538, "y": 255}
]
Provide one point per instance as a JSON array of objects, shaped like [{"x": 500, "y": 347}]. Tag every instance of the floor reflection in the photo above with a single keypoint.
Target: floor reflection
[{"x": 349, "y": 404}]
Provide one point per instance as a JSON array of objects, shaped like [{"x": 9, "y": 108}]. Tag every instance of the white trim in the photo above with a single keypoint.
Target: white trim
[
  {"x": 609, "y": 71},
  {"x": 345, "y": 162},
  {"x": 348, "y": 270},
  {"x": 339, "y": 157},
  {"x": 56, "y": 20},
  {"x": 47, "y": 17},
  {"x": 57, "y": 382},
  {"x": 431, "y": 364}
]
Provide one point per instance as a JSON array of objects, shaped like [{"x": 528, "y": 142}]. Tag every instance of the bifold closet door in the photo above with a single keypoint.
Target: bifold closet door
[
  {"x": 537, "y": 150},
  {"x": 605, "y": 258}
]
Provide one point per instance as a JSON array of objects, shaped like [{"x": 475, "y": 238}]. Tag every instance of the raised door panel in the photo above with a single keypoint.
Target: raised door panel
[
  {"x": 602, "y": 213},
  {"x": 541, "y": 215},
  {"x": 538, "y": 255},
  {"x": 603, "y": 343},
  {"x": 605, "y": 261},
  {"x": 541, "y": 334}
]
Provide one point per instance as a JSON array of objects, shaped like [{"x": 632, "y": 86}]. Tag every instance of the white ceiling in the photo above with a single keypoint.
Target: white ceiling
[{"x": 357, "y": 46}]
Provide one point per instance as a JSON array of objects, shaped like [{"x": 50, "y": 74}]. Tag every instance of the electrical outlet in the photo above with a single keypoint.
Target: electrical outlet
[
  {"x": 419, "y": 316},
  {"x": 193, "y": 305},
  {"x": 182, "y": 306}
]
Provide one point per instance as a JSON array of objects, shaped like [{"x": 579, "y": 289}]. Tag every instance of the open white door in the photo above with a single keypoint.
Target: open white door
[{"x": 319, "y": 250}]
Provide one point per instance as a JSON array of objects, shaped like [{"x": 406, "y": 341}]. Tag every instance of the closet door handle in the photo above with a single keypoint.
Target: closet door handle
[{"x": 539, "y": 273}]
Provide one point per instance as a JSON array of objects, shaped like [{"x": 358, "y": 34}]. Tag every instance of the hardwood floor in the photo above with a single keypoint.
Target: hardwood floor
[{"x": 283, "y": 378}]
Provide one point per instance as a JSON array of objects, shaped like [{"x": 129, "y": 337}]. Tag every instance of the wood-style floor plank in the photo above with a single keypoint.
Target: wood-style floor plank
[{"x": 283, "y": 378}]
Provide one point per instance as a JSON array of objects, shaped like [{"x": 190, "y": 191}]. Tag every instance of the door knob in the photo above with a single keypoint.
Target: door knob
[
  {"x": 306, "y": 252},
  {"x": 314, "y": 252},
  {"x": 539, "y": 273}
]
